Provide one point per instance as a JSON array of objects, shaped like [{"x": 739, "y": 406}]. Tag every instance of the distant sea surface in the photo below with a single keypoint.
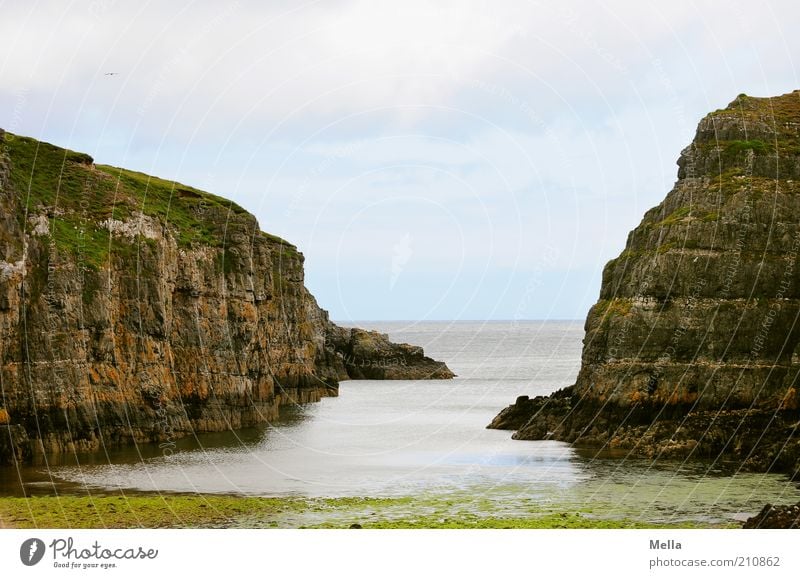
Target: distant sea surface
[{"x": 423, "y": 438}]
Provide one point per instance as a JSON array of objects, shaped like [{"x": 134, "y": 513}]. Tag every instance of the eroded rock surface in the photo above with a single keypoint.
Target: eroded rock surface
[
  {"x": 370, "y": 355},
  {"x": 775, "y": 518},
  {"x": 693, "y": 348},
  {"x": 137, "y": 309}
]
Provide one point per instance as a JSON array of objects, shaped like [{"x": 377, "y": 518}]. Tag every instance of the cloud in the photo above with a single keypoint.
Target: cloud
[
  {"x": 486, "y": 131},
  {"x": 255, "y": 70}
]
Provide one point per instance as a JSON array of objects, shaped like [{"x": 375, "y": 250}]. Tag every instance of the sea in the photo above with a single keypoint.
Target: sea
[{"x": 427, "y": 440}]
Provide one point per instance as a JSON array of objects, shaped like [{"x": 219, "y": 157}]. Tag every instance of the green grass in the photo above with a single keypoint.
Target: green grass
[
  {"x": 676, "y": 216},
  {"x": 185, "y": 208},
  {"x": 545, "y": 522},
  {"x": 737, "y": 146},
  {"x": 778, "y": 114},
  {"x": 169, "y": 511},
  {"x": 665, "y": 247},
  {"x": 775, "y": 108},
  {"x": 734, "y": 147},
  {"x": 607, "y": 310},
  {"x": 77, "y": 196},
  {"x": 204, "y": 511}
]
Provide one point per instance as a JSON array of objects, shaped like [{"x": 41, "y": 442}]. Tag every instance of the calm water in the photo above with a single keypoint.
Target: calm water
[{"x": 407, "y": 438}]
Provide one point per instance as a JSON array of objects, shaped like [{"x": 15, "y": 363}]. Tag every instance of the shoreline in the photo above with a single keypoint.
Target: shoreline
[{"x": 151, "y": 511}]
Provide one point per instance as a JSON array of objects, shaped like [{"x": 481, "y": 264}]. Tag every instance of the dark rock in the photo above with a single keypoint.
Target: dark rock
[
  {"x": 693, "y": 348},
  {"x": 370, "y": 355},
  {"x": 166, "y": 318},
  {"x": 80, "y": 158},
  {"x": 14, "y": 443},
  {"x": 775, "y": 517},
  {"x": 533, "y": 414}
]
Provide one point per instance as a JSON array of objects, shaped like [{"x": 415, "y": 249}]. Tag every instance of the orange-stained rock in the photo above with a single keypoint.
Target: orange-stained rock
[{"x": 142, "y": 310}]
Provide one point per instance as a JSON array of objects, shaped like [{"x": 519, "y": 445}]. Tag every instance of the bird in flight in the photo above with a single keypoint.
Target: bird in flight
[{"x": 111, "y": 73}]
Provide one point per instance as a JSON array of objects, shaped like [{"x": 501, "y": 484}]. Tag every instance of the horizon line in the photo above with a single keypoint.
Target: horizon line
[{"x": 453, "y": 320}]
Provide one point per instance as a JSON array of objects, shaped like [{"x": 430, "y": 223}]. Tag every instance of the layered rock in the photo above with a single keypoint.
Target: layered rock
[
  {"x": 694, "y": 345},
  {"x": 136, "y": 309},
  {"x": 775, "y": 518},
  {"x": 370, "y": 355}
]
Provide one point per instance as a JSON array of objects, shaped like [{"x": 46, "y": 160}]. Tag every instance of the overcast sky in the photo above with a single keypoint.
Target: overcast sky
[{"x": 432, "y": 160}]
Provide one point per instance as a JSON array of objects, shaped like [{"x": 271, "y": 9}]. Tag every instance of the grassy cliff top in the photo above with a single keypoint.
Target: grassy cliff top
[
  {"x": 780, "y": 109},
  {"x": 77, "y": 196},
  {"x": 767, "y": 125}
]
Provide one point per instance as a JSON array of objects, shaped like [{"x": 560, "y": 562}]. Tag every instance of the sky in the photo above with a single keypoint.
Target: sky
[{"x": 432, "y": 160}]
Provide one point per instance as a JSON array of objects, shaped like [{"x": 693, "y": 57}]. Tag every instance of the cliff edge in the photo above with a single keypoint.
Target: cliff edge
[
  {"x": 693, "y": 348},
  {"x": 134, "y": 309}
]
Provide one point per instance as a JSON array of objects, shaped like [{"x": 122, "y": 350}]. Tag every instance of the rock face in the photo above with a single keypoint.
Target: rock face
[
  {"x": 136, "y": 309},
  {"x": 775, "y": 518},
  {"x": 370, "y": 355},
  {"x": 693, "y": 348}
]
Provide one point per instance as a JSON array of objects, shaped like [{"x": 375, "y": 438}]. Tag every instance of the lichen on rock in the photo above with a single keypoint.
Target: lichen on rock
[
  {"x": 370, "y": 355},
  {"x": 693, "y": 348},
  {"x": 134, "y": 309}
]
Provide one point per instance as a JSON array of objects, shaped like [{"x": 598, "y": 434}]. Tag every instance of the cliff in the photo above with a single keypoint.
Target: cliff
[
  {"x": 134, "y": 309},
  {"x": 693, "y": 348}
]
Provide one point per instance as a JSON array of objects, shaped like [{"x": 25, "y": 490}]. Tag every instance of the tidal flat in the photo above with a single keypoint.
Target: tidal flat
[
  {"x": 401, "y": 454},
  {"x": 224, "y": 511}
]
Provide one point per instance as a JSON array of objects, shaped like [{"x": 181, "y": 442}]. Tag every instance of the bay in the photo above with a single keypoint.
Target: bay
[{"x": 427, "y": 440}]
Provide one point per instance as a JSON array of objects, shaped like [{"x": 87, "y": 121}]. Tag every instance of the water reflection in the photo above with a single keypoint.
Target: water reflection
[
  {"x": 43, "y": 475},
  {"x": 426, "y": 439}
]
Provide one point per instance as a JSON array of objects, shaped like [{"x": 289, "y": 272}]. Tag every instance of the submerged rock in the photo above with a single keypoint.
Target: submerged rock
[
  {"x": 693, "y": 348},
  {"x": 134, "y": 309}
]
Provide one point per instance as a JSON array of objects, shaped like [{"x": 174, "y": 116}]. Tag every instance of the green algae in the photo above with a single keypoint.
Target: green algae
[
  {"x": 222, "y": 511},
  {"x": 77, "y": 196}
]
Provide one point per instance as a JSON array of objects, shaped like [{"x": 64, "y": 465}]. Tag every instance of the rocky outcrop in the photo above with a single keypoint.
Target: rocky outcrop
[
  {"x": 370, "y": 355},
  {"x": 548, "y": 410},
  {"x": 136, "y": 309},
  {"x": 693, "y": 348},
  {"x": 775, "y": 518}
]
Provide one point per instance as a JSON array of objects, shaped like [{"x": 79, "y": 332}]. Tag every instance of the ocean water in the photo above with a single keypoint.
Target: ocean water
[{"x": 428, "y": 439}]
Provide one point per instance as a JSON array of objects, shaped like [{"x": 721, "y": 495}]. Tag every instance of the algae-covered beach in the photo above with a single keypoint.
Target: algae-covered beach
[
  {"x": 402, "y": 454},
  {"x": 212, "y": 511}
]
